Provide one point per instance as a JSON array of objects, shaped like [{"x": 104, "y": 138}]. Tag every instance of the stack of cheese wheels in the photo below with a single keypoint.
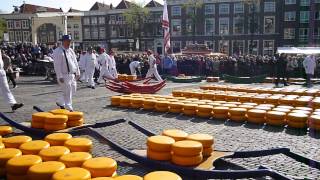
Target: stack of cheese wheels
[
  {"x": 79, "y": 144},
  {"x": 33, "y": 147},
  {"x": 204, "y": 111},
  {"x": 266, "y": 108},
  {"x": 72, "y": 174},
  {"x": 206, "y": 140},
  {"x": 57, "y": 139},
  {"x": 257, "y": 116},
  {"x": 55, "y": 122},
  {"x": 136, "y": 103},
  {"x": 162, "y": 106},
  {"x": 208, "y": 96},
  {"x": 100, "y": 167},
  {"x": 165, "y": 175},
  {"x": 124, "y": 177},
  {"x": 75, "y": 159},
  {"x": 273, "y": 100},
  {"x": 5, "y": 130},
  {"x": 190, "y": 109},
  {"x": 75, "y": 119},
  {"x": 304, "y": 108},
  {"x": 53, "y": 153},
  {"x": 276, "y": 118},
  {"x": 125, "y": 102},
  {"x": 17, "y": 167},
  {"x": 59, "y": 111},
  {"x": 45, "y": 170},
  {"x": 176, "y": 134},
  {"x": 159, "y": 148},
  {"x": 238, "y": 114},
  {"x": 176, "y": 107},
  {"x": 297, "y": 120},
  {"x": 187, "y": 153},
  {"x": 285, "y": 110},
  {"x": 149, "y": 104},
  {"x": 314, "y": 122},
  {"x": 115, "y": 100},
  {"x": 220, "y": 112},
  {"x": 16, "y": 141},
  {"x": 302, "y": 102},
  {"x": 258, "y": 99},
  {"x": 5, "y": 155},
  {"x": 131, "y": 77},
  {"x": 38, "y": 119},
  {"x": 220, "y": 97},
  {"x": 301, "y": 111}
]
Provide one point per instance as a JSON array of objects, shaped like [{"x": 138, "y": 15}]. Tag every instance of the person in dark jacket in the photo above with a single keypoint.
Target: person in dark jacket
[{"x": 281, "y": 67}]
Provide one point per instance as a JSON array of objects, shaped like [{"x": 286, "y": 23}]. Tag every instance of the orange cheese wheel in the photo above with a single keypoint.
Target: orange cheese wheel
[
  {"x": 266, "y": 108},
  {"x": 285, "y": 110},
  {"x": 75, "y": 123},
  {"x": 128, "y": 177},
  {"x": 275, "y": 122},
  {"x": 53, "y": 153},
  {"x": 100, "y": 166},
  {"x": 15, "y": 141},
  {"x": 187, "y": 148},
  {"x": 75, "y": 159},
  {"x": 191, "y": 107},
  {"x": 256, "y": 120},
  {"x": 220, "y": 116},
  {"x": 8, "y": 153},
  {"x": 304, "y": 108},
  {"x": 207, "y": 152},
  {"x": 37, "y": 125},
  {"x": 237, "y": 111},
  {"x": 160, "y": 143},
  {"x": 148, "y": 107},
  {"x": 115, "y": 100},
  {"x": 79, "y": 144},
  {"x": 75, "y": 115},
  {"x": 55, "y": 127},
  {"x": 1, "y": 145},
  {"x": 16, "y": 177},
  {"x": 186, "y": 161},
  {"x": 3, "y": 172},
  {"x": 297, "y": 117},
  {"x": 74, "y": 173},
  {"x": 176, "y": 105},
  {"x": 176, "y": 134},
  {"x": 5, "y": 130},
  {"x": 204, "y": 114},
  {"x": 314, "y": 119},
  {"x": 59, "y": 111},
  {"x": 56, "y": 119},
  {"x": 33, "y": 147},
  {"x": 285, "y": 107},
  {"x": 19, "y": 165},
  {"x": 136, "y": 105},
  {"x": 189, "y": 112},
  {"x": 103, "y": 178},
  {"x": 250, "y": 104},
  {"x": 40, "y": 116},
  {"x": 159, "y": 156},
  {"x": 45, "y": 170},
  {"x": 161, "y": 109},
  {"x": 238, "y": 118},
  {"x": 205, "y": 108},
  {"x": 300, "y": 111},
  {"x": 172, "y": 110},
  {"x": 162, "y": 104},
  {"x": 124, "y": 105},
  {"x": 276, "y": 115},
  {"x": 295, "y": 124},
  {"x": 136, "y": 101},
  {"x": 162, "y": 175},
  {"x": 57, "y": 139},
  {"x": 205, "y": 139},
  {"x": 256, "y": 113},
  {"x": 220, "y": 110}
]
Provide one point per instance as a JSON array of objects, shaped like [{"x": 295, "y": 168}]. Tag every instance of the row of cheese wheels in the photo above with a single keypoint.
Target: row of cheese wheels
[
  {"x": 57, "y": 119},
  {"x": 125, "y": 77},
  {"x": 261, "y": 90},
  {"x": 180, "y": 148},
  {"x": 213, "y": 79}
]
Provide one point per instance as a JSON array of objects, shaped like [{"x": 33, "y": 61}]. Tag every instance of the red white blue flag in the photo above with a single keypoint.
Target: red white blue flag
[{"x": 166, "y": 27}]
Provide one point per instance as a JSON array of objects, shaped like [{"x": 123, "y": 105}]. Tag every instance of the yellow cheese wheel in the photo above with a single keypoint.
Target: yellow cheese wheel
[
  {"x": 285, "y": 110},
  {"x": 79, "y": 144},
  {"x": 3, "y": 172},
  {"x": 267, "y": 105},
  {"x": 55, "y": 127},
  {"x": 126, "y": 177},
  {"x": 56, "y": 119},
  {"x": 250, "y": 104},
  {"x": 172, "y": 110},
  {"x": 103, "y": 178},
  {"x": 176, "y": 105},
  {"x": 205, "y": 108},
  {"x": 220, "y": 110},
  {"x": 207, "y": 151},
  {"x": 16, "y": 177},
  {"x": 15, "y": 141},
  {"x": 304, "y": 108},
  {"x": 205, "y": 139},
  {"x": 191, "y": 107},
  {"x": 19, "y": 165},
  {"x": 314, "y": 126},
  {"x": 276, "y": 115},
  {"x": 33, "y": 147},
  {"x": 237, "y": 111},
  {"x": 256, "y": 120},
  {"x": 75, "y": 123},
  {"x": 266, "y": 108},
  {"x": 314, "y": 119},
  {"x": 1, "y": 145},
  {"x": 187, "y": 161},
  {"x": 100, "y": 167},
  {"x": 229, "y": 105},
  {"x": 204, "y": 114},
  {"x": 295, "y": 124},
  {"x": 125, "y": 105},
  {"x": 297, "y": 117},
  {"x": 300, "y": 111},
  {"x": 149, "y": 102},
  {"x": 45, "y": 170},
  {"x": 189, "y": 112},
  {"x": 40, "y": 116},
  {"x": 115, "y": 100},
  {"x": 75, "y": 115},
  {"x": 59, "y": 111},
  {"x": 8, "y": 153},
  {"x": 53, "y": 153},
  {"x": 256, "y": 113},
  {"x": 75, "y": 159},
  {"x": 162, "y": 103},
  {"x": 136, "y": 105},
  {"x": 57, "y": 139},
  {"x": 220, "y": 116},
  {"x": 148, "y": 107},
  {"x": 5, "y": 130},
  {"x": 161, "y": 109},
  {"x": 285, "y": 107},
  {"x": 37, "y": 125},
  {"x": 176, "y": 134},
  {"x": 238, "y": 118},
  {"x": 74, "y": 173},
  {"x": 275, "y": 122},
  {"x": 187, "y": 148},
  {"x": 159, "y": 156},
  {"x": 162, "y": 175},
  {"x": 160, "y": 143}
]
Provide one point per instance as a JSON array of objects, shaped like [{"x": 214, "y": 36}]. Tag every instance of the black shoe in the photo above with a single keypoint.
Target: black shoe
[
  {"x": 92, "y": 87},
  {"x": 16, "y": 106},
  {"x": 60, "y": 106}
]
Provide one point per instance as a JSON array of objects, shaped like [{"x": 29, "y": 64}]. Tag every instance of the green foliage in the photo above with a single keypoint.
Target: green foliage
[
  {"x": 3, "y": 28},
  {"x": 191, "y": 7}
]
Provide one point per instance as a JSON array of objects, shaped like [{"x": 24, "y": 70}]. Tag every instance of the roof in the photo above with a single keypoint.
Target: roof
[
  {"x": 73, "y": 10},
  {"x": 99, "y": 7},
  {"x": 31, "y": 9},
  {"x": 153, "y": 3},
  {"x": 124, "y": 5}
]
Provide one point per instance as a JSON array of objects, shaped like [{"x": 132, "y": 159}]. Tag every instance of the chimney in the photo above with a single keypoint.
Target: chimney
[{"x": 111, "y": 6}]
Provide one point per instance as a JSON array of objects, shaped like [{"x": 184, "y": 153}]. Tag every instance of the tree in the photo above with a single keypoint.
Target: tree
[
  {"x": 3, "y": 28},
  {"x": 135, "y": 16},
  {"x": 191, "y": 10}
]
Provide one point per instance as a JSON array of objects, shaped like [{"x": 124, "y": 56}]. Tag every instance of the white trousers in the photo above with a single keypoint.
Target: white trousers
[
  {"x": 153, "y": 72},
  {"x": 133, "y": 70},
  {"x": 5, "y": 90},
  {"x": 89, "y": 75},
  {"x": 69, "y": 87},
  {"x": 114, "y": 73},
  {"x": 83, "y": 75},
  {"x": 103, "y": 73}
]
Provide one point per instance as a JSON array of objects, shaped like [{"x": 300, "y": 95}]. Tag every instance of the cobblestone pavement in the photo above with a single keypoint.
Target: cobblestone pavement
[{"x": 229, "y": 136}]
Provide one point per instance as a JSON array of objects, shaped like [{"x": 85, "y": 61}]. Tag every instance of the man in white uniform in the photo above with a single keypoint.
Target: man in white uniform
[
  {"x": 5, "y": 91},
  {"x": 153, "y": 71},
  {"x": 82, "y": 64},
  {"x": 90, "y": 66},
  {"x": 134, "y": 65},
  {"x": 103, "y": 62},
  {"x": 112, "y": 67},
  {"x": 67, "y": 71},
  {"x": 309, "y": 65}
]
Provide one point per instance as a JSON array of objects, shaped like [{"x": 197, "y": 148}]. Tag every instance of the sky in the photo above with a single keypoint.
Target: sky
[{"x": 7, "y": 5}]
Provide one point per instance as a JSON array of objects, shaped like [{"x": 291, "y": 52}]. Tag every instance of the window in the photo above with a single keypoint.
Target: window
[
  {"x": 224, "y": 8},
  {"x": 303, "y": 33},
  {"x": 11, "y": 36},
  {"x": 102, "y": 33},
  {"x": 209, "y": 9},
  {"x": 76, "y": 26},
  {"x": 304, "y": 16},
  {"x": 287, "y": 2},
  {"x": 238, "y": 8},
  {"x": 121, "y": 32},
  {"x": 189, "y": 43},
  {"x": 254, "y": 7},
  {"x": 290, "y": 16},
  {"x": 317, "y": 15},
  {"x": 289, "y": 33},
  {"x": 269, "y": 24},
  {"x": 120, "y": 18},
  {"x": 210, "y": 45},
  {"x": 17, "y": 24},
  {"x": 68, "y": 26},
  {"x": 18, "y": 36},
  {"x": 176, "y": 46},
  {"x": 268, "y": 47},
  {"x": 190, "y": 10},
  {"x": 209, "y": 26},
  {"x": 76, "y": 35},
  {"x": 94, "y": 33},
  {"x": 113, "y": 31},
  {"x": 238, "y": 47},
  {"x": 224, "y": 26},
  {"x": 238, "y": 25},
  {"x": 94, "y": 20},
  {"x": 25, "y": 24},
  {"x": 224, "y": 46},
  {"x": 86, "y": 33},
  {"x": 269, "y": 6},
  {"x": 130, "y": 33},
  {"x": 304, "y": 2},
  {"x": 102, "y": 20},
  {"x": 51, "y": 37},
  {"x": 176, "y": 27},
  {"x": 112, "y": 19},
  {"x": 86, "y": 21},
  {"x": 189, "y": 26},
  {"x": 253, "y": 47},
  {"x": 316, "y": 33},
  {"x": 10, "y": 24},
  {"x": 176, "y": 11},
  {"x": 26, "y": 36}
]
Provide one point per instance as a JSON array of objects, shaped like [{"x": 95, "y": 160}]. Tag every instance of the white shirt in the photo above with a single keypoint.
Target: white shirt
[
  {"x": 152, "y": 61},
  {"x": 82, "y": 61},
  {"x": 134, "y": 64},
  {"x": 1, "y": 61},
  {"x": 309, "y": 65},
  {"x": 102, "y": 59},
  {"x": 91, "y": 60},
  {"x": 111, "y": 63},
  {"x": 60, "y": 65}
]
